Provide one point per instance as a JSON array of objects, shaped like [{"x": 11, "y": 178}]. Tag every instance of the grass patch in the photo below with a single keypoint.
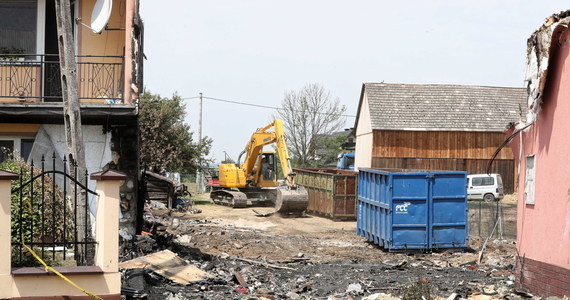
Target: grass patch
[{"x": 203, "y": 202}]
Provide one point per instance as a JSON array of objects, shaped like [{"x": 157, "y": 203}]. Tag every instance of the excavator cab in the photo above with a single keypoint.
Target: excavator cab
[{"x": 267, "y": 168}]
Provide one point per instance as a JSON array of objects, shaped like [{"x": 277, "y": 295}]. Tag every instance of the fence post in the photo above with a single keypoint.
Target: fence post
[
  {"x": 107, "y": 219},
  {"x": 5, "y": 221}
]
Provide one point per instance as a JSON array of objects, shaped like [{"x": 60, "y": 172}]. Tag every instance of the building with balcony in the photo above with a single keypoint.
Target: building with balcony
[{"x": 109, "y": 73}]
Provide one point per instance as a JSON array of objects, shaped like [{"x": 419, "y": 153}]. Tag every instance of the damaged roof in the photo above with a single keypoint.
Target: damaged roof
[
  {"x": 442, "y": 107},
  {"x": 539, "y": 48}
]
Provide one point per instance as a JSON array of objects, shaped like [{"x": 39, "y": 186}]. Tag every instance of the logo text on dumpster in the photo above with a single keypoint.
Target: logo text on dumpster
[{"x": 403, "y": 208}]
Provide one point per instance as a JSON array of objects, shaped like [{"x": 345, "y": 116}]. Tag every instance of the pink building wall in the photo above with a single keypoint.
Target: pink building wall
[{"x": 543, "y": 228}]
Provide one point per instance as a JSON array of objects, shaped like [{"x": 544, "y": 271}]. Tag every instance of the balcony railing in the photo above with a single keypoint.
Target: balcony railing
[{"x": 36, "y": 78}]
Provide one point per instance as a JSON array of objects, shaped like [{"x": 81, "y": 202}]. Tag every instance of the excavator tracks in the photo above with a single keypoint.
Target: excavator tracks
[
  {"x": 285, "y": 200},
  {"x": 229, "y": 198}
]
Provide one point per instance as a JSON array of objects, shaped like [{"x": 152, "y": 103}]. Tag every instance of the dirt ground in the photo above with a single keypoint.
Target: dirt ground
[{"x": 315, "y": 258}]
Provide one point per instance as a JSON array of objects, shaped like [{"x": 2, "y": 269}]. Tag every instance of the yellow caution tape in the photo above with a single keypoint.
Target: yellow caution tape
[
  {"x": 48, "y": 268},
  {"x": 28, "y": 204}
]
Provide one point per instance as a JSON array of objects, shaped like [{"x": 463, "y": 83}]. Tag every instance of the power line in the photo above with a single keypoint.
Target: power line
[{"x": 251, "y": 104}]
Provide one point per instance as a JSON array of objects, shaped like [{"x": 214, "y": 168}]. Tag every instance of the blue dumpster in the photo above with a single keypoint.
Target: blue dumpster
[{"x": 412, "y": 209}]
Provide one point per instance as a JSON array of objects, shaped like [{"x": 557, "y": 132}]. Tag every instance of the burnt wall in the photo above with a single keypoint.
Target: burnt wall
[{"x": 125, "y": 149}]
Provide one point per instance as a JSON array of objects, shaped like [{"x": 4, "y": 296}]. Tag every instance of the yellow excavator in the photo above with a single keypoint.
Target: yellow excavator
[{"x": 255, "y": 180}]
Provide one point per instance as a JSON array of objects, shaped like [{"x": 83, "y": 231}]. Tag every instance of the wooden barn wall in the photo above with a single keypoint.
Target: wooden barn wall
[
  {"x": 439, "y": 144},
  {"x": 473, "y": 166},
  {"x": 443, "y": 150}
]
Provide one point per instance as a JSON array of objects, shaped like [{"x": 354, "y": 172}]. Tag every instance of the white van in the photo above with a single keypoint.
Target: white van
[{"x": 488, "y": 187}]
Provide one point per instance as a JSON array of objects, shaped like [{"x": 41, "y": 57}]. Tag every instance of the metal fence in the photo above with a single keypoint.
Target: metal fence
[
  {"x": 37, "y": 78},
  {"x": 46, "y": 214},
  {"x": 496, "y": 219}
]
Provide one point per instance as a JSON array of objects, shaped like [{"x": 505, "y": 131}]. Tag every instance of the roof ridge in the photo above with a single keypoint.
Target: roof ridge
[{"x": 443, "y": 84}]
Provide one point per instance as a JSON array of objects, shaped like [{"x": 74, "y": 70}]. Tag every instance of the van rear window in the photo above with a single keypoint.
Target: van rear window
[{"x": 478, "y": 181}]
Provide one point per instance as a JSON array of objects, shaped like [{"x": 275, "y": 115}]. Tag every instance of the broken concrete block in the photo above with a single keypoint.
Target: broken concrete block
[
  {"x": 395, "y": 263},
  {"x": 354, "y": 289},
  {"x": 184, "y": 239},
  {"x": 263, "y": 291},
  {"x": 453, "y": 296},
  {"x": 175, "y": 223},
  {"x": 157, "y": 205}
]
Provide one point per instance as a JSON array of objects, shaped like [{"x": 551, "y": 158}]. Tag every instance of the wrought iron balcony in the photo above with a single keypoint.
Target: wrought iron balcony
[{"x": 35, "y": 78}]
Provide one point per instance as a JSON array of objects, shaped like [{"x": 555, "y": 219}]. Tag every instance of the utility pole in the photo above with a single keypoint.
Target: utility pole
[
  {"x": 199, "y": 177},
  {"x": 72, "y": 114}
]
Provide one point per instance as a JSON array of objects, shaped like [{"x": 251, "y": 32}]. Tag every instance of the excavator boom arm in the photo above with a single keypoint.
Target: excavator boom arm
[
  {"x": 263, "y": 137},
  {"x": 283, "y": 152}
]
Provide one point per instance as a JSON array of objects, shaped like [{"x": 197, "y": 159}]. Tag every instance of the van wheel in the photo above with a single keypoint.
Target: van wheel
[{"x": 489, "y": 198}]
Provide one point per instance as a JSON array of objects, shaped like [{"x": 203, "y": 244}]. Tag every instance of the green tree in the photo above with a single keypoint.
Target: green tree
[
  {"x": 308, "y": 114},
  {"x": 166, "y": 141},
  {"x": 328, "y": 148}
]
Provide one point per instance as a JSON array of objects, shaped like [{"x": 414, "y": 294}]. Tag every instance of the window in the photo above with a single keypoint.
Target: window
[
  {"x": 18, "y": 26},
  {"x": 26, "y": 148},
  {"x": 530, "y": 179},
  {"x": 19, "y": 146},
  {"x": 479, "y": 181},
  {"x": 6, "y": 149}
]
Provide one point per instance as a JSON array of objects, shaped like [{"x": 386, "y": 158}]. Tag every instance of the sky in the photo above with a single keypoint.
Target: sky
[{"x": 253, "y": 51}]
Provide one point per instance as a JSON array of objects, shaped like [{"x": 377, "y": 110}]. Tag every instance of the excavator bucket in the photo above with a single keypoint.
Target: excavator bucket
[{"x": 291, "y": 202}]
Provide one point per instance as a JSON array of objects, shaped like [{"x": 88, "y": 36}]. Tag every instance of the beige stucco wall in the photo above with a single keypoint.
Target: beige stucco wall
[
  {"x": 364, "y": 137},
  {"x": 5, "y": 233},
  {"x": 108, "y": 42},
  {"x": 19, "y": 129}
]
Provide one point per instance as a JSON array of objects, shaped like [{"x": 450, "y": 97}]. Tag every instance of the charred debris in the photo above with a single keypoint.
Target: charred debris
[{"x": 164, "y": 263}]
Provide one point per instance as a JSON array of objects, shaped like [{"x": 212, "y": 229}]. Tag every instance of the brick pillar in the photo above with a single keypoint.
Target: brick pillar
[{"x": 107, "y": 219}]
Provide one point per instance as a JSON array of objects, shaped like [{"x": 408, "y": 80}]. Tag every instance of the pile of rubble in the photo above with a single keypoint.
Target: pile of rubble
[{"x": 165, "y": 264}]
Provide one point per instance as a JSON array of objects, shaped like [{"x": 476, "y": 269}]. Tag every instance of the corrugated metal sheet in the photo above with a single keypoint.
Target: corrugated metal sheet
[{"x": 413, "y": 210}]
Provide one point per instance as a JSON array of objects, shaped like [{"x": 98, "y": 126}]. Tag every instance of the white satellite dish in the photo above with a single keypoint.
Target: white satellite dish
[{"x": 100, "y": 15}]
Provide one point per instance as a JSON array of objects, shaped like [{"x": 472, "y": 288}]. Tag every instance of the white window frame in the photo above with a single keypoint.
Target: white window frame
[
  {"x": 530, "y": 179},
  {"x": 41, "y": 27},
  {"x": 17, "y": 140}
]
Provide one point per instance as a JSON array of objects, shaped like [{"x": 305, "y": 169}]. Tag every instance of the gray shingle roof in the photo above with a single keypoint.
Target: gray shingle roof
[{"x": 443, "y": 107}]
